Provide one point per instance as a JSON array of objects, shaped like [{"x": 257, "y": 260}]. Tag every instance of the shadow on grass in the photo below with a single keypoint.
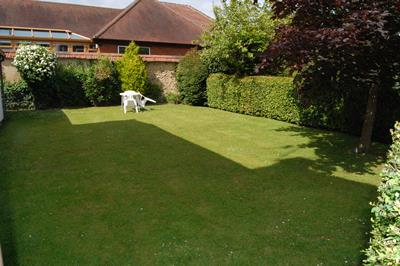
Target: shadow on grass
[
  {"x": 338, "y": 150},
  {"x": 7, "y": 230},
  {"x": 128, "y": 192}
]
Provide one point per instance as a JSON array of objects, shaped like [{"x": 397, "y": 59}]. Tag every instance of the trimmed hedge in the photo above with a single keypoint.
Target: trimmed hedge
[
  {"x": 67, "y": 85},
  {"x": 385, "y": 242},
  {"x": 63, "y": 89},
  {"x": 18, "y": 96},
  {"x": 326, "y": 107},
  {"x": 101, "y": 85},
  {"x": 271, "y": 97}
]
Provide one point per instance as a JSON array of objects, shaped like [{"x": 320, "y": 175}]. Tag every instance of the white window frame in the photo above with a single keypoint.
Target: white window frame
[{"x": 121, "y": 46}]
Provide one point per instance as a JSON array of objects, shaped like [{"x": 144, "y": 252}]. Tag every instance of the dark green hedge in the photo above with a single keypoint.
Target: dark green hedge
[
  {"x": 191, "y": 76},
  {"x": 319, "y": 107},
  {"x": 18, "y": 96},
  {"x": 270, "y": 97},
  {"x": 384, "y": 246}
]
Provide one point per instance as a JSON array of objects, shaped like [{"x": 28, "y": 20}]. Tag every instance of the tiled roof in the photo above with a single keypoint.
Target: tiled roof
[
  {"x": 84, "y": 20},
  {"x": 190, "y": 13},
  {"x": 153, "y": 21},
  {"x": 143, "y": 20}
]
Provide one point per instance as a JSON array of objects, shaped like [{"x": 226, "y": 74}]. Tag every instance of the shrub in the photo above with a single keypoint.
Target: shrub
[
  {"x": 101, "y": 85},
  {"x": 67, "y": 84},
  {"x": 385, "y": 242},
  {"x": 191, "y": 75},
  {"x": 18, "y": 96},
  {"x": 271, "y": 97},
  {"x": 154, "y": 91},
  {"x": 172, "y": 97},
  {"x": 132, "y": 70},
  {"x": 35, "y": 63}
]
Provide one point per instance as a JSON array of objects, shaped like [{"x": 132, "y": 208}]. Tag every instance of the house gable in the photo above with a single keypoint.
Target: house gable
[{"x": 153, "y": 21}]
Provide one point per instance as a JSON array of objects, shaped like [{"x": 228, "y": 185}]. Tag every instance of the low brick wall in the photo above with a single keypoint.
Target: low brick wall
[
  {"x": 161, "y": 69},
  {"x": 9, "y": 71},
  {"x": 163, "y": 74}
]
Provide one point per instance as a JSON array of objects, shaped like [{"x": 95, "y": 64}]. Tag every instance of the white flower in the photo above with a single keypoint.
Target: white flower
[{"x": 35, "y": 63}]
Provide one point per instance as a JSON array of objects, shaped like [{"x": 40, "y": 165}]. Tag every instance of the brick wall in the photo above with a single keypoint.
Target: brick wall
[{"x": 160, "y": 69}]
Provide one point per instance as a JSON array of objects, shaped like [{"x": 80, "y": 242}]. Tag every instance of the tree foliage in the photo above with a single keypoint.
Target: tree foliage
[
  {"x": 132, "y": 70},
  {"x": 241, "y": 31},
  {"x": 191, "y": 75},
  {"x": 347, "y": 42},
  {"x": 102, "y": 85}
]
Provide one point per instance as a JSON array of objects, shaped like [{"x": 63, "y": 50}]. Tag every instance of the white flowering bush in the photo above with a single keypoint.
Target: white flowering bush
[
  {"x": 385, "y": 242},
  {"x": 35, "y": 63}
]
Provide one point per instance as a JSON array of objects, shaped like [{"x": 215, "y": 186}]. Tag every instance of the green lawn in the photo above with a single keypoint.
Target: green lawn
[{"x": 180, "y": 185}]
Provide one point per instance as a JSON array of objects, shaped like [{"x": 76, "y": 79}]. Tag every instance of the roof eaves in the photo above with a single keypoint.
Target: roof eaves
[{"x": 116, "y": 19}]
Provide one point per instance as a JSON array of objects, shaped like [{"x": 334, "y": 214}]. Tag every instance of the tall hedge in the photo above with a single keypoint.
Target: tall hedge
[
  {"x": 278, "y": 98},
  {"x": 191, "y": 76},
  {"x": 102, "y": 85},
  {"x": 18, "y": 96},
  {"x": 271, "y": 97},
  {"x": 385, "y": 242}
]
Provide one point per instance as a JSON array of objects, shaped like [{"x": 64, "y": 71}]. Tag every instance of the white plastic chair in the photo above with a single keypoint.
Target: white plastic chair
[
  {"x": 130, "y": 98},
  {"x": 134, "y": 98},
  {"x": 143, "y": 100}
]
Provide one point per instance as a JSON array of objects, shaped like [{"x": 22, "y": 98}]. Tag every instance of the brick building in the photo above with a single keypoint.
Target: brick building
[{"x": 159, "y": 28}]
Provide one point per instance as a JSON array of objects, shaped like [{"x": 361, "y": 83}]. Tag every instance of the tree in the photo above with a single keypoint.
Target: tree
[
  {"x": 132, "y": 70},
  {"x": 354, "y": 40},
  {"x": 241, "y": 31}
]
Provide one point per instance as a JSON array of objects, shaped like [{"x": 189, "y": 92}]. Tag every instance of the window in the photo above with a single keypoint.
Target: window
[
  {"x": 144, "y": 50},
  {"x": 24, "y": 43},
  {"x": 61, "y": 48},
  {"x": 23, "y": 33},
  {"x": 43, "y": 44},
  {"x": 78, "y": 48},
  {"x": 59, "y": 34},
  {"x": 41, "y": 34},
  {"x": 93, "y": 48},
  {"x": 5, "y": 43},
  {"x": 121, "y": 49},
  {"x": 6, "y": 46},
  {"x": 5, "y": 32}
]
